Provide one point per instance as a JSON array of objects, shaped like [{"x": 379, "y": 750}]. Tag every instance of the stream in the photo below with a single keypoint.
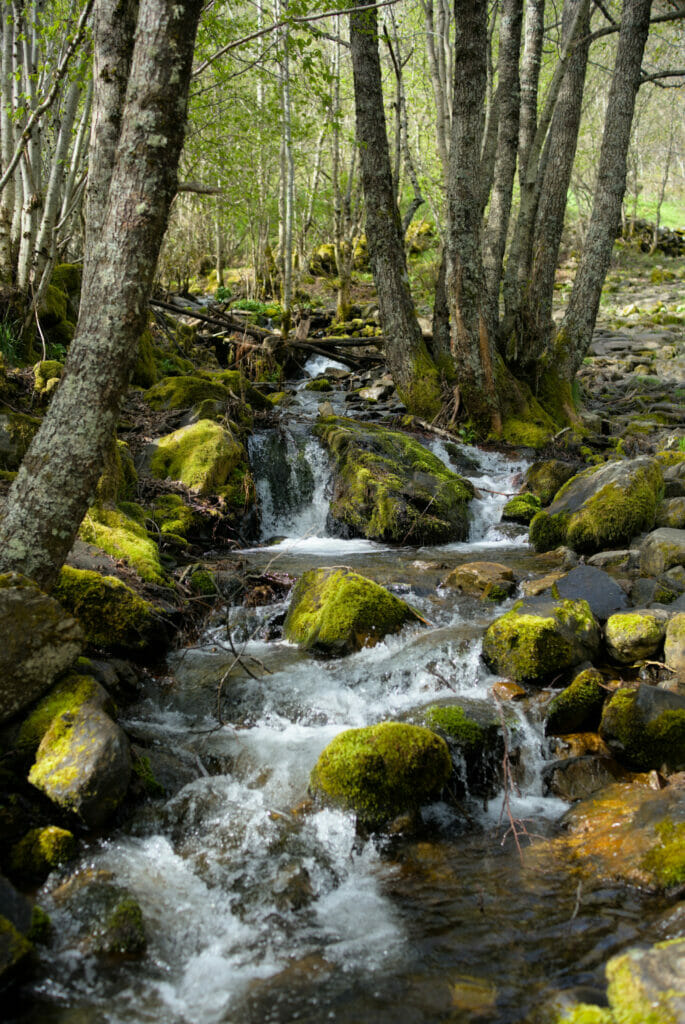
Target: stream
[{"x": 261, "y": 908}]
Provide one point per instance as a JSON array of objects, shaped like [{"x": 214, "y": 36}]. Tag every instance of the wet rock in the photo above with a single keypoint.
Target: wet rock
[
  {"x": 602, "y": 507},
  {"x": 645, "y": 727},
  {"x": 15, "y": 924},
  {"x": 521, "y": 508},
  {"x": 662, "y": 549},
  {"x": 40, "y": 851},
  {"x": 490, "y": 580},
  {"x": 578, "y": 777},
  {"x": 674, "y": 645},
  {"x": 547, "y": 477},
  {"x": 381, "y": 771},
  {"x": 671, "y": 514},
  {"x": 335, "y": 612},
  {"x": 476, "y": 747},
  {"x": 388, "y": 487},
  {"x": 601, "y": 591},
  {"x": 540, "y": 639},
  {"x": 40, "y": 640},
  {"x": 108, "y": 917},
  {"x": 631, "y": 636},
  {"x": 579, "y": 706}
]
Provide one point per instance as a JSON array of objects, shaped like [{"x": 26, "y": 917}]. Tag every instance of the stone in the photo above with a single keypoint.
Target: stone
[
  {"x": 388, "y": 487},
  {"x": 671, "y": 513},
  {"x": 598, "y": 588},
  {"x": 491, "y": 581},
  {"x": 547, "y": 477},
  {"x": 40, "y": 641},
  {"x": 474, "y": 737},
  {"x": 539, "y": 639},
  {"x": 631, "y": 636},
  {"x": 521, "y": 508},
  {"x": 578, "y": 777},
  {"x": 207, "y": 458},
  {"x": 578, "y": 707},
  {"x": 108, "y": 918},
  {"x": 661, "y": 550},
  {"x": 645, "y": 727},
  {"x": 674, "y": 644},
  {"x": 381, "y": 771},
  {"x": 603, "y": 507},
  {"x": 15, "y": 947},
  {"x": 83, "y": 764},
  {"x": 334, "y": 612}
]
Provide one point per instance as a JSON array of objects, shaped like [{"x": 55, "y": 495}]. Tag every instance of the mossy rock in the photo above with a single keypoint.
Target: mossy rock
[
  {"x": 381, "y": 771},
  {"x": 119, "y": 480},
  {"x": 40, "y": 851},
  {"x": 631, "y": 636},
  {"x": 476, "y": 747},
  {"x": 490, "y": 581},
  {"x": 46, "y": 375},
  {"x": 661, "y": 550},
  {"x": 537, "y": 640},
  {"x": 335, "y": 612},
  {"x": 53, "y": 308},
  {"x": 645, "y": 728},
  {"x": 145, "y": 371},
  {"x": 67, "y": 278},
  {"x": 172, "y": 516},
  {"x": 107, "y": 916},
  {"x": 578, "y": 707},
  {"x": 389, "y": 488},
  {"x": 186, "y": 392},
  {"x": 15, "y": 953},
  {"x": 113, "y": 616},
  {"x": 671, "y": 514},
  {"x": 674, "y": 644},
  {"x": 65, "y": 698},
  {"x": 319, "y": 384},
  {"x": 125, "y": 538},
  {"x": 17, "y": 430},
  {"x": 601, "y": 508},
  {"x": 521, "y": 508},
  {"x": 208, "y": 459}
]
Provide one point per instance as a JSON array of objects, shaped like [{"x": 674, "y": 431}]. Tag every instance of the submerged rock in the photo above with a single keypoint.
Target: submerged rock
[
  {"x": 602, "y": 507},
  {"x": 633, "y": 635},
  {"x": 645, "y": 727},
  {"x": 540, "y": 639},
  {"x": 490, "y": 580},
  {"x": 389, "y": 487},
  {"x": 381, "y": 771},
  {"x": 39, "y": 641},
  {"x": 335, "y": 612},
  {"x": 578, "y": 707},
  {"x": 108, "y": 917}
]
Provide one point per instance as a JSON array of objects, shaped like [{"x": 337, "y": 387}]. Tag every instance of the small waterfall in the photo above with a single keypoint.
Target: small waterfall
[{"x": 292, "y": 477}]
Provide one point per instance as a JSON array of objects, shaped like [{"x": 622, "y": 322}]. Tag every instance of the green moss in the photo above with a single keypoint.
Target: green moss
[
  {"x": 337, "y": 611},
  {"x": 124, "y": 930},
  {"x": 523, "y": 433},
  {"x": 633, "y": 635},
  {"x": 41, "y": 850},
  {"x": 661, "y": 741},
  {"x": 67, "y": 278},
  {"x": 391, "y": 488},
  {"x": 583, "y": 1013},
  {"x": 631, "y": 994},
  {"x": 185, "y": 392},
  {"x": 53, "y": 307},
  {"x": 69, "y": 694},
  {"x": 143, "y": 769},
  {"x": 145, "y": 372},
  {"x": 41, "y": 926},
  {"x": 667, "y": 860},
  {"x": 453, "y": 722},
  {"x": 668, "y": 459},
  {"x": 547, "y": 477},
  {"x": 579, "y": 706},
  {"x": 381, "y": 771},
  {"x": 119, "y": 480},
  {"x": 45, "y": 372},
  {"x": 423, "y": 396},
  {"x": 546, "y": 531},
  {"x": 173, "y": 517},
  {"x": 112, "y": 615},
  {"x": 202, "y": 583},
  {"x": 14, "y": 947},
  {"x": 521, "y": 508},
  {"x": 123, "y": 538},
  {"x": 56, "y": 767},
  {"x": 207, "y": 458},
  {"x": 19, "y": 431},
  {"x": 320, "y": 384}
]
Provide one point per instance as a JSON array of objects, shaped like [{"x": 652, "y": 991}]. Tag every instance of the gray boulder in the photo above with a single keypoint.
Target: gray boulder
[
  {"x": 39, "y": 642},
  {"x": 661, "y": 550},
  {"x": 598, "y": 588},
  {"x": 674, "y": 644}
]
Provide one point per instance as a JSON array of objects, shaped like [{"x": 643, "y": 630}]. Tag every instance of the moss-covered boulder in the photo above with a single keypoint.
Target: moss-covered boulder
[
  {"x": 335, "y": 612},
  {"x": 662, "y": 550},
  {"x": 40, "y": 851},
  {"x": 207, "y": 458},
  {"x": 674, "y": 645},
  {"x": 474, "y": 738},
  {"x": 106, "y": 916},
  {"x": 47, "y": 375},
  {"x": 145, "y": 372},
  {"x": 545, "y": 478},
  {"x": 631, "y": 636},
  {"x": 172, "y": 516},
  {"x": 17, "y": 430},
  {"x": 40, "y": 641},
  {"x": 83, "y": 764},
  {"x": 602, "y": 507},
  {"x": 671, "y": 514},
  {"x": 645, "y": 727},
  {"x": 119, "y": 480},
  {"x": 112, "y": 615},
  {"x": 389, "y": 487},
  {"x": 125, "y": 538},
  {"x": 578, "y": 707},
  {"x": 211, "y": 391},
  {"x": 521, "y": 508},
  {"x": 381, "y": 771},
  {"x": 540, "y": 639},
  {"x": 491, "y": 581}
]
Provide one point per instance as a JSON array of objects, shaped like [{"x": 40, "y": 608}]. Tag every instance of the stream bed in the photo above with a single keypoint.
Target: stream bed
[{"x": 260, "y": 907}]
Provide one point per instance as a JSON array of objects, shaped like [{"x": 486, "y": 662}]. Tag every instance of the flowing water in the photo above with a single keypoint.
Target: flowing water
[{"x": 259, "y": 907}]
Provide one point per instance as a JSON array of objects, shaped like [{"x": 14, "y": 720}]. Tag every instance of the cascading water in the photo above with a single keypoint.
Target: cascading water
[{"x": 259, "y": 908}]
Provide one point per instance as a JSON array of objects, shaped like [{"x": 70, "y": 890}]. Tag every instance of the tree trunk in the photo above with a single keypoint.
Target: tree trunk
[
  {"x": 58, "y": 477},
  {"x": 415, "y": 375},
  {"x": 575, "y": 334},
  {"x": 472, "y": 330}
]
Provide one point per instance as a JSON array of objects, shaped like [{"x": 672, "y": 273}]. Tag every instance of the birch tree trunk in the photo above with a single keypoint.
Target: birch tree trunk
[
  {"x": 412, "y": 369},
  {"x": 575, "y": 334},
  {"x": 58, "y": 477}
]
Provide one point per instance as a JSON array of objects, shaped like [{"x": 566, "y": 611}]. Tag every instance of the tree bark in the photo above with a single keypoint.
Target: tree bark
[
  {"x": 58, "y": 477},
  {"x": 575, "y": 335},
  {"x": 472, "y": 330},
  {"x": 414, "y": 373}
]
